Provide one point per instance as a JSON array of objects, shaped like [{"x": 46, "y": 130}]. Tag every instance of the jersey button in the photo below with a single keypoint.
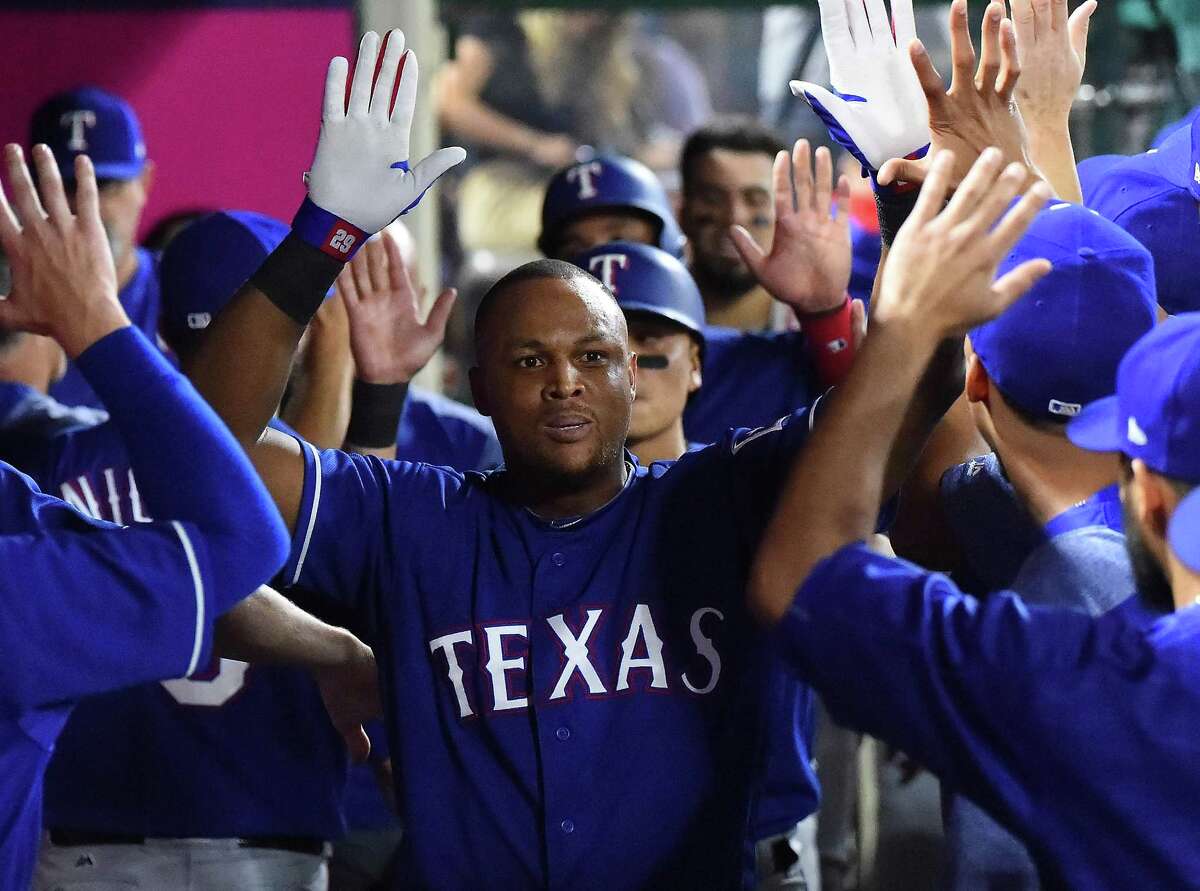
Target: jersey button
[
  {"x": 558, "y": 559},
  {"x": 567, "y": 826},
  {"x": 563, "y": 733}
]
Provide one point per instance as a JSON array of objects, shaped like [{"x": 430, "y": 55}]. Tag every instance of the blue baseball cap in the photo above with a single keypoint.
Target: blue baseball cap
[
  {"x": 1057, "y": 348},
  {"x": 89, "y": 121},
  {"x": 644, "y": 279},
  {"x": 205, "y": 265},
  {"x": 607, "y": 183},
  {"x": 1155, "y": 414},
  {"x": 1092, "y": 170},
  {"x": 1155, "y": 197}
]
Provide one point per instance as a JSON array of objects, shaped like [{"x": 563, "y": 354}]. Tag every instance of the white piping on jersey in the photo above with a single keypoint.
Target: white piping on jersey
[
  {"x": 312, "y": 514},
  {"x": 198, "y": 586}
]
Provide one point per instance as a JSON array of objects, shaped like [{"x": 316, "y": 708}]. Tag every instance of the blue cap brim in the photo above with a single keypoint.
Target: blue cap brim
[
  {"x": 1184, "y": 531},
  {"x": 111, "y": 170},
  {"x": 1098, "y": 427}
]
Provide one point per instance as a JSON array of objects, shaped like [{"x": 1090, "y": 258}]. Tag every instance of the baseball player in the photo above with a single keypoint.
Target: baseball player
[
  {"x": 163, "y": 583},
  {"x": 233, "y": 775},
  {"x": 753, "y": 378},
  {"x": 91, "y": 120},
  {"x": 562, "y": 646},
  {"x": 1155, "y": 198},
  {"x": 1069, "y": 729}
]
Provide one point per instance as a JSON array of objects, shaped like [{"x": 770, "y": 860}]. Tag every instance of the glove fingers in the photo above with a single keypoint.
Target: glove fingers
[
  {"x": 835, "y": 30},
  {"x": 335, "y": 88},
  {"x": 406, "y": 92},
  {"x": 426, "y": 173},
  {"x": 905, "y": 22},
  {"x": 364, "y": 73},
  {"x": 877, "y": 18},
  {"x": 385, "y": 81},
  {"x": 860, "y": 28},
  {"x": 835, "y": 112}
]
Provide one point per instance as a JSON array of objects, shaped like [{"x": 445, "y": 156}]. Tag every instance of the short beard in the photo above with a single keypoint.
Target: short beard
[
  {"x": 724, "y": 281},
  {"x": 1153, "y": 588}
]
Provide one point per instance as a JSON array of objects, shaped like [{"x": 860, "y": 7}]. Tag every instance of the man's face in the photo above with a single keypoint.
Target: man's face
[
  {"x": 663, "y": 389},
  {"x": 555, "y": 375},
  {"x": 604, "y": 226},
  {"x": 1153, "y": 587},
  {"x": 726, "y": 188}
]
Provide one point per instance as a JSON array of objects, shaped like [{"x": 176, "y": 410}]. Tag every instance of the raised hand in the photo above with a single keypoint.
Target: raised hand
[
  {"x": 939, "y": 278},
  {"x": 878, "y": 110},
  {"x": 978, "y": 110},
  {"x": 63, "y": 283},
  {"x": 808, "y": 266},
  {"x": 389, "y": 341},
  {"x": 360, "y": 178},
  {"x": 1053, "y": 52}
]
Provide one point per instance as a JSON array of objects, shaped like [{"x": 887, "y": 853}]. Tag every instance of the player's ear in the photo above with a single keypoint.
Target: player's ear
[
  {"x": 147, "y": 178},
  {"x": 977, "y": 385},
  {"x": 695, "y": 378},
  {"x": 479, "y": 391}
]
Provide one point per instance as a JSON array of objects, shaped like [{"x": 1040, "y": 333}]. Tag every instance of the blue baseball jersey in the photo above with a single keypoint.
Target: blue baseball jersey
[
  {"x": 578, "y": 703},
  {"x": 750, "y": 379},
  {"x": 1077, "y": 733},
  {"x": 231, "y": 751},
  {"x": 866, "y": 252},
  {"x": 29, "y": 414},
  {"x": 1078, "y": 560},
  {"x": 61, "y": 641},
  {"x": 140, "y": 298},
  {"x": 435, "y": 429}
]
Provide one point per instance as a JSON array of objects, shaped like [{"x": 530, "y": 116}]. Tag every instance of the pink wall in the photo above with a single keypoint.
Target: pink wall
[{"x": 230, "y": 101}]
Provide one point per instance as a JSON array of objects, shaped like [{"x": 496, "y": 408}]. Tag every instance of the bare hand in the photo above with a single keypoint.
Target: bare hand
[
  {"x": 1053, "y": 52},
  {"x": 350, "y": 692},
  {"x": 808, "y": 267},
  {"x": 938, "y": 280},
  {"x": 389, "y": 342},
  {"x": 978, "y": 110},
  {"x": 64, "y": 284}
]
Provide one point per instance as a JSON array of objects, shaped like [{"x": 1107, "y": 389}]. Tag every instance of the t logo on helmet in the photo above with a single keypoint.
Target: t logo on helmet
[
  {"x": 584, "y": 174},
  {"x": 78, "y": 121},
  {"x": 608, "y": 264}
]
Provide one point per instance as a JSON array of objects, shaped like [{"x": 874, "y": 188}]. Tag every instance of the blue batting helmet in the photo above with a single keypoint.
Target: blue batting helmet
[
  {"x": 647, "y": 280},
  {"x": 608, "y": 182}
]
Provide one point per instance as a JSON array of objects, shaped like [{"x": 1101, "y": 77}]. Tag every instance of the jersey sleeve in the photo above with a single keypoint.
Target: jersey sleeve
[
  {"x": 967, "y": 688},
  {"x": 87, "y": 606},
  {"x": 359, "y": 518}
]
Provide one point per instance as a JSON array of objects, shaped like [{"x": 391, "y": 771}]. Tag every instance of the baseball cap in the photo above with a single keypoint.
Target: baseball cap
[
  {"x": 88, "y": 120},
  {"x": 1058, "y": 347},
  {"x": 1155, "y": 197},
  {"x": 1092, "y": 170},
  {"x": 1155, "y": 413},
  {"x": 645, "y": 279},
  {"x": 205, "y": 265}
]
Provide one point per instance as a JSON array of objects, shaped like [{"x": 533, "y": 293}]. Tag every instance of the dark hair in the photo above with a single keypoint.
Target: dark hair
[
  {"x": 736, "y": 134},
  {"x": 1047, "y": 423},
  {"x": 1182, "y": 488},
  {"x": 9, "y": 338},
  {"x": 527, "y": 272}
]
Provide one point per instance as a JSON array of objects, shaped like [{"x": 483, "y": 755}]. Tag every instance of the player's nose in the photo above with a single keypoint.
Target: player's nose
[{"x": 563, "y": 381}]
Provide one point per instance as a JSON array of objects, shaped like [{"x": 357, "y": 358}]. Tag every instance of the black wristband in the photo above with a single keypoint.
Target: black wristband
[
  {"x": 894, "y": 209},
  {"x": 296, "y": 277},
  {"x": 375, "y": 414}
]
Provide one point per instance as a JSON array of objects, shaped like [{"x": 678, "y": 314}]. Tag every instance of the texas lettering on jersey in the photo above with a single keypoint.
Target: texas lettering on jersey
[{"x": 641, "y": 663}]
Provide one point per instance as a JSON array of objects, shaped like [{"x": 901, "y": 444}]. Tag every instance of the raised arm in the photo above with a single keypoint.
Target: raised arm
[
  {"x": 389, "y": 341},
  {"x": 318, "y": 404},
  {"x": 938, "y": 284},
  {"x": 359, "y": 182},
  {"x": 1053, "y": 52},
  {"x": 808, "y": 266},
  {"x": 188, "y": 468}
]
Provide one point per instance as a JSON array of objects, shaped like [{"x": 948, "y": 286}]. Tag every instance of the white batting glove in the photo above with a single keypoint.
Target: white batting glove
[
  {"x": 360, "y": 178},
  {"x": 877, "y": 110}
]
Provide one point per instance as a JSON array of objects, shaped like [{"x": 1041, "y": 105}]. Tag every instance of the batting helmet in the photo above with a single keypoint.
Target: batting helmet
[
  {"x": 647, "y": 280},
  {"x": 608, "y": 182}
]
